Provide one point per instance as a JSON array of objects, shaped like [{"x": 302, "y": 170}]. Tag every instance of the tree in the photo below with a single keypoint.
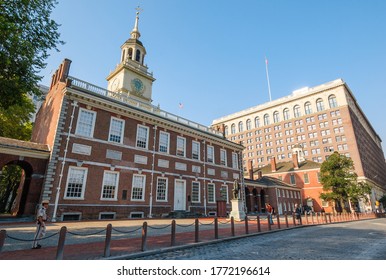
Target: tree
[
  {"x": 383, "y": 201},
  {"x": 9, "y": 183},
  {"x": 26, "y": 35},
  {"x": 340, "y": 181}
]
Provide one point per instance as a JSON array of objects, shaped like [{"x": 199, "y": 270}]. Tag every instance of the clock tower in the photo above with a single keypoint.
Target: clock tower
[{"x": 131, "y": 75}]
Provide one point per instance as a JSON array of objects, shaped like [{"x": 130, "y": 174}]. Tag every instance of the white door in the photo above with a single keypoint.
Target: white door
[{"x": 180, "y": 195}]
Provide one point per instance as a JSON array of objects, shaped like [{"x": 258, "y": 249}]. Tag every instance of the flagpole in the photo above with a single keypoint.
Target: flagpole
[{"x": 269, "y": 85}]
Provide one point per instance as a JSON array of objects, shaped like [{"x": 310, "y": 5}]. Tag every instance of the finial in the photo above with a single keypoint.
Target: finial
[{"x": 135, "y": 33}]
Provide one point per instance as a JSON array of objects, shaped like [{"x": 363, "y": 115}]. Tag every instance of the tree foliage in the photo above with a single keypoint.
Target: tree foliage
[
  {"x": 340, "y": 181},
  {"x": 9, "y": 183},
  {"x": 27, "y": 34}
]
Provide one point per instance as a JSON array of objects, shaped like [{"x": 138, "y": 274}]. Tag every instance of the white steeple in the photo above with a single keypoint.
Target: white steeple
[{"x": 135, "y": 32}]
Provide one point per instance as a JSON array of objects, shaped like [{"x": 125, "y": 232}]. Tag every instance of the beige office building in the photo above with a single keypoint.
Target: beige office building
[{"x": 322, "y": 119}]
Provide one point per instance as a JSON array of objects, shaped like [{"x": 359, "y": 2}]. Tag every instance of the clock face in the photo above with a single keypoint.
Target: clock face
[
  {"x": 137, "y": 85},
  {"x": 115, "y": 84}
]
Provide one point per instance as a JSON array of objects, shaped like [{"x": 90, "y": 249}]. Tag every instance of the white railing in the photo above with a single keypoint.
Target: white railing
[{"x": 124, "y": 98}]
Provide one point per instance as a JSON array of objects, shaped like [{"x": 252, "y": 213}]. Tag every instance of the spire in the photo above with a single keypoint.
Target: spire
[{"x": 135, "y": 33}]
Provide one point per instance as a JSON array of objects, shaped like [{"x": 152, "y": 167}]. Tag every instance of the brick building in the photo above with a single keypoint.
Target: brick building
[
  {"x": 115, "y": 155},
  {"x": 322, "y": 119}
]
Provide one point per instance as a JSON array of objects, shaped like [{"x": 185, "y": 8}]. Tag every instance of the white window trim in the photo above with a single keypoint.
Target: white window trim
[
  {"x": 199, "y": 148},
  {"x": 207, "y": 154},
  {"x": 199, "y": 193},
  {"x": 83, "y": 183},
  {"x": 115, "y": 198},
  {"x": 225, "y": 157},
  {"x": 122, "y": 132},
  {"x": 147, "y": 137},
  {"x": 214, "y": 192},
  {"x": 184, "y": 139},
  {"x": 166, "y": 190},
  {"x": 235, "y": 160},
  {"x": 107, "y": 213},
  {"x": 93, "y": 124},
  {"x": 168, "y": 146},
  {"x": 227, "y": 192},
  {"x": 143, "y": 187}
]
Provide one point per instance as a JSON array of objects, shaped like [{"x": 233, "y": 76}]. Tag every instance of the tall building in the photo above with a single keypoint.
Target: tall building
[
  {"x": 115, "y": 155},
  {"x": 319, "y": 120}
]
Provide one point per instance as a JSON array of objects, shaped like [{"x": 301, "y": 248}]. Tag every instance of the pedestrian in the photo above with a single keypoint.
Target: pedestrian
[
  {"x": 298, "y": 213},
  {"x": 41, "y": 218},
  {"x": 269, "y": 210}
]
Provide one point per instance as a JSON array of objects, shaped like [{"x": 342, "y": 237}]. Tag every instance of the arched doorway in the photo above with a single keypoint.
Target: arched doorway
[{"x": 15, "y": 179}]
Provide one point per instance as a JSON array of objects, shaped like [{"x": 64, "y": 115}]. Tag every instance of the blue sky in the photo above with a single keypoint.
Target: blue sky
[{"x": 209, "y": 54}]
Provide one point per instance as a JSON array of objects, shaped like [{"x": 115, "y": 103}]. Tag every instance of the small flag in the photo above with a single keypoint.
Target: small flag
[{"x": 180, "y": 105}]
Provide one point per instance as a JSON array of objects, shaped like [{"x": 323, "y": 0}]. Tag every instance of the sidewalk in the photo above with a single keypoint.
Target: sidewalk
[{"x": 79, "y": 246}]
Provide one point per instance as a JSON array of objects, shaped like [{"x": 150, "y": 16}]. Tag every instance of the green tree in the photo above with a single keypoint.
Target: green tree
[
  {"x": 340, "y": 181},
  {"x": 27, "y": 34},
  {"x": 383, "y": 201},
  {"x": 9, "y": 183}
]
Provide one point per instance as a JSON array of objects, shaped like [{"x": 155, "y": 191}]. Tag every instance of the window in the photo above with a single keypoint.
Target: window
[
  {"x": 297, "y": 113},
  {"x": 196, "y": 192},
  {"x": 319, "y": 105},
  {"x": 86, "y": 123},
  {"x": 249, "y": 127},
  {"x": 224, "y": 193},
  {"x": 233, "y": 128},
  {"x": 110, "y": 185},
  {"x": 266, "y": 119},
  {"x": 210, "y": 154},
  {"x": 308, "y": 108},
  {"x": 138, "y": 188},
  {"x": 116, "y": 130},
  {"x": 76, "y": 182},
  {"x": 276, "y": 117},
  {"x": 162, "y": 189},
  {"x": 226, "y": 132},
  {"x": 332, "y": 101},
  {"x": 241, "y": 127},
  {"x": 181, "y": 146},
  {"x": 292, "y": 179},
  {"x": 211, "y": 193},
  {"x": 142, "y": 136},
  {"x": 306, "y": 179},
  {"x": 195, "y": 150},
  {"x": 137, "y": 55},
  {"x": 235, "y": 161},
  {"x": 131, "y": 53},
  {"x": 164, "y": 142},
  {"x": 286, "y": 114},
  {"x": 257, "y": 122},
  {"x": 223, "y": 157}
]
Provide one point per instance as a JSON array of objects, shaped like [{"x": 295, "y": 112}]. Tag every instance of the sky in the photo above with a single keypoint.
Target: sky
[{"x": 209, "y": 55}]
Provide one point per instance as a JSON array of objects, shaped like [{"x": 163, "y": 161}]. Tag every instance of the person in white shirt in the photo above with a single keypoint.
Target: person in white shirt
[{"x": 41, "y": 218}]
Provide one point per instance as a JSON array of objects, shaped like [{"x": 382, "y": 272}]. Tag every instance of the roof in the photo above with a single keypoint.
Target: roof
[
  {"x": 14, "y": 143},
  {"x": 288, "y": 166},
  {"x": 267, "y": 181}
]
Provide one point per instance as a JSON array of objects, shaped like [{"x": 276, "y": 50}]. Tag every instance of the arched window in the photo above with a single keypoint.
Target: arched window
[
  {"x": 297, "y": 112},
  {"x": 226, "y": 130},
  {"x": 130, "y": 53},
  {"x": 233, "y": 128},
  {"x": 308, "y": 108},
  {"x": 286, "y": 114},
  {"x": 266, "y": 119},
  {"x": 332, "y": 101},
  {"x": 249, "y": 124},
  {"x": 276, "y": 117},
  {"x": 257, "y": 122},
  {"x": 319, "y": 105},
  {"x": 241, "y": 127},
  {"x": 137, "y": 55}
]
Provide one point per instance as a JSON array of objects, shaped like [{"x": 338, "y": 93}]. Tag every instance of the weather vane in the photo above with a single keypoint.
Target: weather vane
[{"x": 138, "y": 9}]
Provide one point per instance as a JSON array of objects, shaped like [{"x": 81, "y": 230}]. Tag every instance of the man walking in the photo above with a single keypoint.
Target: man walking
[{"x": 41, "y": 217}]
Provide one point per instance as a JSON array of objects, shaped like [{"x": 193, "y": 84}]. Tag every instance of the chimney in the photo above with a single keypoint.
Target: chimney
[
  {"x": 273, "y": 164},
  {"x": 295, "y": 160},
  {"x": 250, "y": 170},
  {"x": 259, "y": 174}
]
